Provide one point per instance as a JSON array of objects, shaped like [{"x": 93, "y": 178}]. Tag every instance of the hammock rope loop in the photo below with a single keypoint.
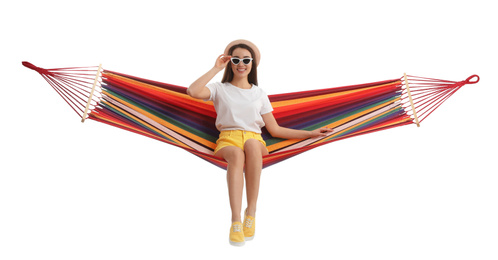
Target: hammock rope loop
[
  {"x": 37, "y": 69},
  {"x": 469, "y": 79}
]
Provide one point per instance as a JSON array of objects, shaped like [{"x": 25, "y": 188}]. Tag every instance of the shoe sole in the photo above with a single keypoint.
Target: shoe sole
[
  {"x": 236, "y": 243},
  {"x": 249, "y": 238}
]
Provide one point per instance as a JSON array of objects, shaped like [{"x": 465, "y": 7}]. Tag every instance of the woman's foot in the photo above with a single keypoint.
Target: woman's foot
[
  {"x": 249, "y": 226},
  {"x": 236, "y": 234}
]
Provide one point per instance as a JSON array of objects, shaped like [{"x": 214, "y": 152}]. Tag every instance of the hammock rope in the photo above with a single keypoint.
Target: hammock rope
[
  {"x": 166, "y": 113},
  {"x": 431, "y": 93},
  {"x": 73, "y": 84}
]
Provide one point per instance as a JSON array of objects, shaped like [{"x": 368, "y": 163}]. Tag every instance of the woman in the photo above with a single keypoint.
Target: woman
[{"x": 242, "y": 110}]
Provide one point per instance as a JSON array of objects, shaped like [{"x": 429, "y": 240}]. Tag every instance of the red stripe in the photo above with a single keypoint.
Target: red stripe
[
  {"x": 196, "y": 107},
  {"x": 290, "y": 110},
  {"x": 309, "y": 93}
]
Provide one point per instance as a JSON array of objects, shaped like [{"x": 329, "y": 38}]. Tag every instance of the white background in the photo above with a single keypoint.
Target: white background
[{"x": 90, "y": 191}]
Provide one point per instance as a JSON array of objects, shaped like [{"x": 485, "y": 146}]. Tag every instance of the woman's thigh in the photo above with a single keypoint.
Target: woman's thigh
[
  {"x": 231, "y": 154},
  {"x": 254, "y": 145}
]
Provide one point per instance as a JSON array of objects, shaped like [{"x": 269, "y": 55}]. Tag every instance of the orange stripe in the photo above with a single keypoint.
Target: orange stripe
[
  {"x": 173, "y": 140},
  {"x": 285, "y": 103},
  {"x": 356, "y": 125},
  {"x": 130, "y": 127},
  {"x": 184, "y": 99},
  {"x": 288, "y": 142},
  {"x": 167, "y": 124}
]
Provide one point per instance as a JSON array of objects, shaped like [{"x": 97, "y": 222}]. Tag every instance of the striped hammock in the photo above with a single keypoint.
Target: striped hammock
[{"x": 166, "y": 113}]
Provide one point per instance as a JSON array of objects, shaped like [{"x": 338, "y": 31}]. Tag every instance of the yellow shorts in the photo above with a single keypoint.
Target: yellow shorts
[{"x": 236, "y": 138}]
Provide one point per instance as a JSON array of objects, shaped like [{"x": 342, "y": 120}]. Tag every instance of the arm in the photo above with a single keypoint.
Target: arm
[
  {"x": 198, "y": 89},
  {"x": 288, "y": 133}
]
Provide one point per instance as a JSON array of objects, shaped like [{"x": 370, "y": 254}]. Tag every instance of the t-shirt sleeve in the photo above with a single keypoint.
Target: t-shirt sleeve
[
  {"x": 266, "y": 108},
  {"x": 213, "y": 87}
]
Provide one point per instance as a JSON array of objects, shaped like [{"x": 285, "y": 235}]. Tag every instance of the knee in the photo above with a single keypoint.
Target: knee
[
  {"x": 235, "y": 158},
  {"x": 253, "y": 147}
]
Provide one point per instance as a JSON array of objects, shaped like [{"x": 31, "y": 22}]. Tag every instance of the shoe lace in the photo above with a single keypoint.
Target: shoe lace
[
  {"x": 237, "y": 228},
  {"x": 248, "y": 223}
]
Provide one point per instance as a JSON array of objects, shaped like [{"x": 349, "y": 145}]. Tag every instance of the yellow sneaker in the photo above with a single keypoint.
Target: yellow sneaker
[
  {"x": 236, "y": 234},
  {"x": 249, "y": 227}
]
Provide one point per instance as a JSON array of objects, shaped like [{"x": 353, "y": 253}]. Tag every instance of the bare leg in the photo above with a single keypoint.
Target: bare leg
[
  {"x": 254, "y": 151},
  {"x": 235, "y": 178}
]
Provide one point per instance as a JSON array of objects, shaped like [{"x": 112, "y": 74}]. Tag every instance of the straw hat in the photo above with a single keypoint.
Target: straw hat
[{"x": 248, "y": 43}]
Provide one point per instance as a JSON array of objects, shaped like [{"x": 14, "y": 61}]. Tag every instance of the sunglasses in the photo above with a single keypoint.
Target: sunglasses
[{"x": 236, "y": 61}]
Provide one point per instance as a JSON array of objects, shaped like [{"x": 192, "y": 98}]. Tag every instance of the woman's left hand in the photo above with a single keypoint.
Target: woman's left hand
[{"x": 321, "y": 132}]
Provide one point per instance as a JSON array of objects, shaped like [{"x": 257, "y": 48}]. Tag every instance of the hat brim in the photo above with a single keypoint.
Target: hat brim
[{"x": 248, "y": 43}]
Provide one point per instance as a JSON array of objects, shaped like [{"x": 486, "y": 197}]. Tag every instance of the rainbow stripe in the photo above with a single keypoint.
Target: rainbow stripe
[{"x": 166, "y": 113}]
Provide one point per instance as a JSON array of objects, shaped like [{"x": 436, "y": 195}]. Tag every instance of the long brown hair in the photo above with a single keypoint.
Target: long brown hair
[{"x": 253, "y": 75}]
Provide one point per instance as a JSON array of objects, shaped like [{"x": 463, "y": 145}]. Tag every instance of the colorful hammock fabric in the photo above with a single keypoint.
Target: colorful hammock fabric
[{"x": 166, "y": 113}]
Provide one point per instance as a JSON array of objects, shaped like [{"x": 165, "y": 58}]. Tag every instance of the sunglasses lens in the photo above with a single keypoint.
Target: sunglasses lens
[
  {"x": 235, "y": 61},
  {"x": 246, "y": 61}
]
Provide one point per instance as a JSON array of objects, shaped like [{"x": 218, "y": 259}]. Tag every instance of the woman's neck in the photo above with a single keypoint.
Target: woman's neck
[{"x": 241, "y": 83}]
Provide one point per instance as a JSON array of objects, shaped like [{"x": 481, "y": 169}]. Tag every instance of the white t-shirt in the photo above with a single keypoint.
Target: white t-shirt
[{"x": 239, "y": 109}]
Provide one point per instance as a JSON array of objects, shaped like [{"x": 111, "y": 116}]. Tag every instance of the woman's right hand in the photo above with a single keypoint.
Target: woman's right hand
[
  {"x": 222, "y": 61},
  {"x": 198, "y": 89}
]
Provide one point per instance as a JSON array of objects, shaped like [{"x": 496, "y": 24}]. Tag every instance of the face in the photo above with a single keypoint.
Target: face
[{"x": 241, "y": 69}]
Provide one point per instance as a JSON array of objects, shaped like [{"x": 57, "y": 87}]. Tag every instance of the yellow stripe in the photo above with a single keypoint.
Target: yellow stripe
[
  {"x": 130, "y": 127},
  {"x": 167, "y": 124},
  {"x": 173, "y": 140},
  {"x": 314, "y": 98},
  {"x": 356, "y": 125},
  {"x": 288, "y": 142},
  {"x": 186, "y": 99},
  {"x": 190, "y": 100}
]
